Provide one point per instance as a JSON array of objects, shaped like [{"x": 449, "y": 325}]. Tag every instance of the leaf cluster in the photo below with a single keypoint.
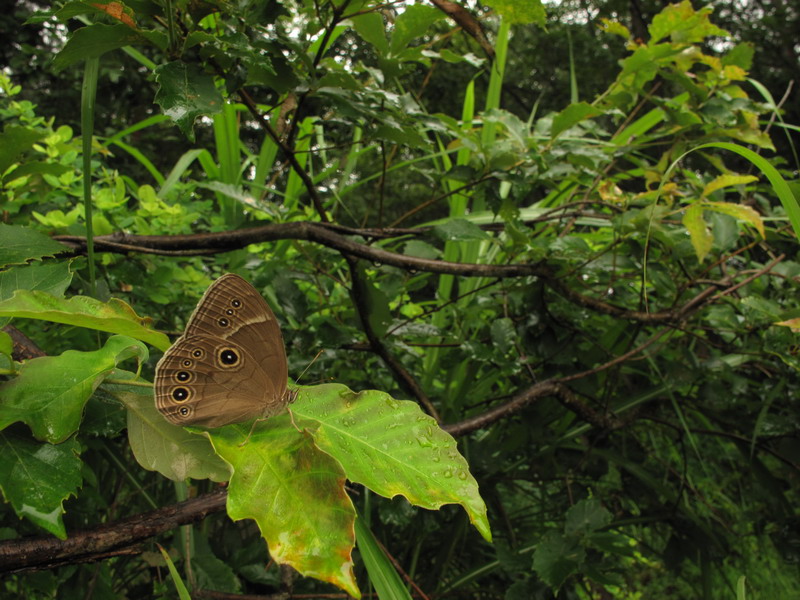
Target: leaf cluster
[{"x": 597, "y": 301}]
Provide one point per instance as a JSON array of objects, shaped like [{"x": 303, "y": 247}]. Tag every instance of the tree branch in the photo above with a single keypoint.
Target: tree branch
[
  {"x": 105, "y": 541},
  {"x": 361, "y": 301},
  {"x": 210, "y": 243}
]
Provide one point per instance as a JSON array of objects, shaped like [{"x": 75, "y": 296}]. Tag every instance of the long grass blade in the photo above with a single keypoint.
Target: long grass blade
[{"x": 88, "y": 94}]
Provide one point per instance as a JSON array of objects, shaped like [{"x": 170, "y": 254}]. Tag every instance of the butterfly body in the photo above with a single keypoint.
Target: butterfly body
[{"x": 229, "y": 366}]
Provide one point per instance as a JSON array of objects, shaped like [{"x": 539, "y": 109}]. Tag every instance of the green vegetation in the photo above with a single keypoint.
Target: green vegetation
[{"x": 552, "y": 295}]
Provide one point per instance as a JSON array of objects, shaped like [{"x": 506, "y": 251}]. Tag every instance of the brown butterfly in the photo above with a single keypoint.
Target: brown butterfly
[{"x": 229, "y": 366}]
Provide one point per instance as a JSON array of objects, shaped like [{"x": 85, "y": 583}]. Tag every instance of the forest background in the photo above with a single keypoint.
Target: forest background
[{"x": 567, "y": 232}]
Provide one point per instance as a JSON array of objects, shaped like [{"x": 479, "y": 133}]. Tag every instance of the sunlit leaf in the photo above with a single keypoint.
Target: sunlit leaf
[
  {"x": 739, "y": 211},
  {"x": 520, "y": 11}
]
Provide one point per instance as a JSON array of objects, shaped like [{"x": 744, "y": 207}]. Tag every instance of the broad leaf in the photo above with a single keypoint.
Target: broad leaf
[
  {"x": 586, "y": 516},
  {"x": 683, "y": 24},
  {"x": 114, "y": 316},
  {"x": 514, "y": 11},
  {"x": 392, "y": 447},
  {"x": 21, "y": 244},
  {"x": 93, "y": 41},
  {"x": 460, "y": 230},
  {"x": 49, "y": 393},
  {"x": 573, "y": 114},
  {"x": 295, "y": 493},
  {"x": 160, "y": 446},
  {"x": 724, "y": 181},
  {"x": 37, "y": 477},
  {"x": 737, "y": 211},
  {"x": 557, "y": 557},
  {"x": 13, "y": 142},
  {"x": 698, "y": 230},
  {"x": 51, "y": 277},
  {"x": 185, "y": 93},
  {"x": 413, "y": 22}
]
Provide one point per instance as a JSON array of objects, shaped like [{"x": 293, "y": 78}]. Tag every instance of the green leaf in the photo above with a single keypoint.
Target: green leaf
[
  {"x": 421, "y": 249},
  {"x": 6, "y": 344},
  {"x": 460, "y": 230},
  {"x": 503, "y": 335},
  {"x": 377, "y": 303},
  {"x": 185, "y": 93},
  {"x": 683, "y": 24},
  {"x": 586, "y": 516},
  {"x": 392, "y": 447},
  {"x": 14, "y": 141},
  {"x": 382, "y": 575},
  {"x": 114, "y": 316},
  {"x": 779, "y": 185},
  {"x": 556, "y": 558},
  {"x": 615, "y": 28},
  {"x": 52, "y": 278},
  {"x": 210, "y": 572},
  {"x": 520, "y": 11},
  {"x": 698, "y": 231},
  {"x": 93, "y": 41},
  {"x": 180, "y": 587},
  {"x": 160, "y": 446},
  {"x": 412, "y": 23},
  {"x": 49, "y": 393},
  {"x": 295, "y": 493},
  {"x": 370, "y": 27},
  {"x": 741, "y": 55},
  {"x": 571, "y": 115},
  {"x": 21, "y": 244},
  {"x": 36, "y": 478}
]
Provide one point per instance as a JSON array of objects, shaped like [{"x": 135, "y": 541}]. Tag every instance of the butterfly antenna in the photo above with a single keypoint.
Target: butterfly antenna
[{"x": 313, "y": 360}]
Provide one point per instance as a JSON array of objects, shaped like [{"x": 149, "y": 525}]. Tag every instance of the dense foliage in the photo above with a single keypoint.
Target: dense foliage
[{"x": 585, "y": 270}]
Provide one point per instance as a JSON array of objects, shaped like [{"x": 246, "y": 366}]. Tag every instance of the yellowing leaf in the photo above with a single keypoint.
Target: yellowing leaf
[
  {"x": 615, "y": 28},
  {"x": 698, "y": 231},
  {"x": 296, "y": 495},
  {"x": 724, "y": 181},
  {"x": 117, "y": 11},
  {"x": 737, "y": 211},
  {"x": 393, "y": 448},
  {"x": 793, "y": 324}
]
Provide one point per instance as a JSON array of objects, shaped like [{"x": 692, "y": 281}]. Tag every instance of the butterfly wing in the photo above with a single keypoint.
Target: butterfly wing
[{"x": 230, "y": 364}]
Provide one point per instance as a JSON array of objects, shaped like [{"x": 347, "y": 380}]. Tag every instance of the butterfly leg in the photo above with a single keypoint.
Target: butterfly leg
[
  {"x": 291, "y": 416},
  {"x": 252, "y": 428}
]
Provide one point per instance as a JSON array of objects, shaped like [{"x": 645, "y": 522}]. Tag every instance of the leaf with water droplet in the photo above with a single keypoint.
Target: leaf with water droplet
[
  {"x": 392, "y": 448},
  {"x": 294, "y": 492}
]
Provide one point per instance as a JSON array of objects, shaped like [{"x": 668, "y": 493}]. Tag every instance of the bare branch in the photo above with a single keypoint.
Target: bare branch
[{"x": 107, "y": 540}]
